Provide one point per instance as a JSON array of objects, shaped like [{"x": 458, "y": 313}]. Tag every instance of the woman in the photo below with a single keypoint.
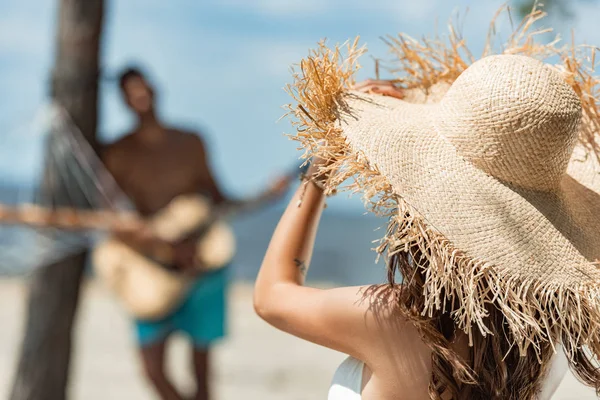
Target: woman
[{"x": 492, "y": 183}]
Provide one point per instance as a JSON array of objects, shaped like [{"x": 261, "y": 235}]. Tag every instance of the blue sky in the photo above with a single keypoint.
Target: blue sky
[{"x": 220, "y": 67}]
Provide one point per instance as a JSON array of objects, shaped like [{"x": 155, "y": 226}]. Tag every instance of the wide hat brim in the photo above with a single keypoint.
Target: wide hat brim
[
  {"x": 530, "y": 241},
  {"x": 532, "y": 254},
  {"x": 550, "y": 236}
]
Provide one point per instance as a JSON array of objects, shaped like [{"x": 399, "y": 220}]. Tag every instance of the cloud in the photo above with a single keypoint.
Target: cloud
[
  {"x": 407, "y": 10},
  {"x": 26, "y": 47},
  {"x": 585, "y": 24},
  {"x": 24, "y": 31},
  {"x": 397, "y": 9},
  {"x": 280, "y": 8}
]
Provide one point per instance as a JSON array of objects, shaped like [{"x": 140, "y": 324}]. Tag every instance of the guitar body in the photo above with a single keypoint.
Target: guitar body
[{"x": 147, "y": 289}]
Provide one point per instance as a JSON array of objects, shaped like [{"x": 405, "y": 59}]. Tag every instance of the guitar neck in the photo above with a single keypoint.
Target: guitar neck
[{"x": 113, "y": 221}]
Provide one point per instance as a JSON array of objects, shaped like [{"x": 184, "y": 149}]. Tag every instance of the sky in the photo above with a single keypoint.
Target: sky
[{"x": 219, "y": 66}]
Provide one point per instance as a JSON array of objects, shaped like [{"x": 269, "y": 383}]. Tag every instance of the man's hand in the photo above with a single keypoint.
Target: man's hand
[
  {"x": 279, "y": 186},
  {"x": 184, "y": 255},
  {"x": 145, "y": 241},
  {"x": 386, "y": 88}
]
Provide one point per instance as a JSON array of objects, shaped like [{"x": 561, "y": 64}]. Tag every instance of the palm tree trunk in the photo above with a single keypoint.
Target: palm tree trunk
[{"x": 43, "y": 368}]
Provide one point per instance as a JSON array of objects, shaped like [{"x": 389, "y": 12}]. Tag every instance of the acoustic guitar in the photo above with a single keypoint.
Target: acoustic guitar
[{"x": 146, "y": 284}]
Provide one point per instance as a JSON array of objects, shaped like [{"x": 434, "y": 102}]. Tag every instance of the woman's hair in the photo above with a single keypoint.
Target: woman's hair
[{"x": 495, "y": 369}]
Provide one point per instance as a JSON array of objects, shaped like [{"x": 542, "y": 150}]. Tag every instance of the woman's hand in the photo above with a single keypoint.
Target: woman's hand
[
  {"x": 316, "y": 164},
  {"x": 385, "y": 88},
  {"x": 319, "y": 172}
]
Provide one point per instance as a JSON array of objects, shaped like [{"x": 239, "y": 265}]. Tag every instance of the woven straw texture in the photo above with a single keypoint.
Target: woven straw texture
[{"x": 490, "y": 168}]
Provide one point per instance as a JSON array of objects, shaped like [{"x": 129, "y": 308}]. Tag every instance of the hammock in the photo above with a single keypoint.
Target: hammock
[{"x": 72, "y": 177}]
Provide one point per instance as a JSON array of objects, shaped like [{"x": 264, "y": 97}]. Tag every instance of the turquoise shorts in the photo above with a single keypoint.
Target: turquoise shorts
[{"x": 202, "y": 316}]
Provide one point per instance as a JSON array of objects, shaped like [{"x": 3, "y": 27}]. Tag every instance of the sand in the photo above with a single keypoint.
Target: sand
[{"x": 255, "y": 362}]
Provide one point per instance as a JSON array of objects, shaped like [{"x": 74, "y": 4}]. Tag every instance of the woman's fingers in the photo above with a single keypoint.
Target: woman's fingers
[
  {"x": 386, "y": 88},
  {"x": 372, "y": 82},
  {"x": 388, "y": 91}
]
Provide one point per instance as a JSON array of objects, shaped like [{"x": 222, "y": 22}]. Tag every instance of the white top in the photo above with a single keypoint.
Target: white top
[{"x": 347, "y": 380}]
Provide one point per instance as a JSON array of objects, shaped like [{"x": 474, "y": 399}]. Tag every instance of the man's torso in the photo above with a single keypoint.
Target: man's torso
[{"x": 152, "y": 173}]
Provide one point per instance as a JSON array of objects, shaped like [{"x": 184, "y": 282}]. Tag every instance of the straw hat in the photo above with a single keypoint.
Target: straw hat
[{"x": 491, "y": 172}]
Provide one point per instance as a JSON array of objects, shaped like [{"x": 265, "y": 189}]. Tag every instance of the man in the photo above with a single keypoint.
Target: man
[{"x": 153, "y": 165}]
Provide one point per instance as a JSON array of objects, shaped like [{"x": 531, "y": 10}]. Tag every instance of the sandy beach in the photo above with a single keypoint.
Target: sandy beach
[{"x": 255, "y": 362}]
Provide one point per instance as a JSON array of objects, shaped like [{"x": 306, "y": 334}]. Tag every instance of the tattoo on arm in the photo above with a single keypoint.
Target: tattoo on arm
[{"x": 301, "y": 266}]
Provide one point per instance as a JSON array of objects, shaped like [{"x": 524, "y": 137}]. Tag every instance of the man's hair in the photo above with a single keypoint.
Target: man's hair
[{"x": 128, "y": 73}]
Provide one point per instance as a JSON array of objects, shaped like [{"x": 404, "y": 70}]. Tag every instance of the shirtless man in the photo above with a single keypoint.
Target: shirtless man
[{"x": 153, "y": 165}]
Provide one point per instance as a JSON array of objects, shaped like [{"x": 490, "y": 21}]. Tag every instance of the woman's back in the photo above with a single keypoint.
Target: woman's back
[
  {"x": 399, "y": 363},
  {"x": 402, "y": 369}
]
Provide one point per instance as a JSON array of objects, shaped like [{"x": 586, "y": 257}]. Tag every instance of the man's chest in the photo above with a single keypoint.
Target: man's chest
[{"x": 153, "y": 176}]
